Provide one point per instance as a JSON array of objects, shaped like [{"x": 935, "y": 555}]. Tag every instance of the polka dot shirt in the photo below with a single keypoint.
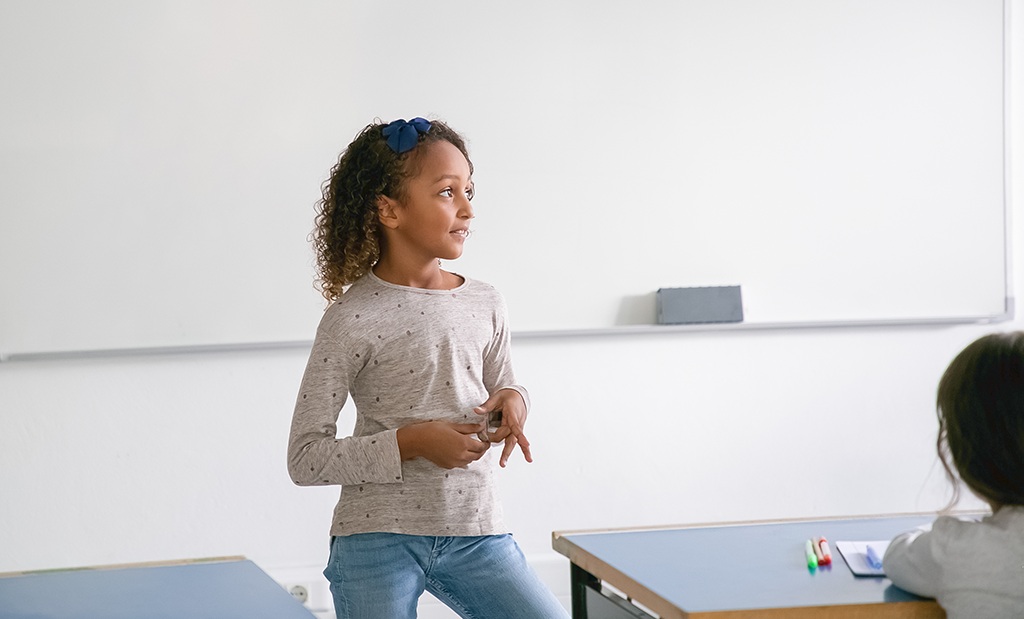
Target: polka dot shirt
[{"x": 403, "y": 355}]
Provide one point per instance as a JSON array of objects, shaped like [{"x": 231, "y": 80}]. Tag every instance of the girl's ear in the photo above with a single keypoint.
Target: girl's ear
[{"x": 386, "y": 212}]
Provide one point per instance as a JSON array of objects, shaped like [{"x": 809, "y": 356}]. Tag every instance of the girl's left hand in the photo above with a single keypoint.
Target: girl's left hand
[{"x": 513, "y": 418}]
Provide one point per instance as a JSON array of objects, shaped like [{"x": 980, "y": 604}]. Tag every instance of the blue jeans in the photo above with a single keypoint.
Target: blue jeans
[{"x": 382, "y": 575}]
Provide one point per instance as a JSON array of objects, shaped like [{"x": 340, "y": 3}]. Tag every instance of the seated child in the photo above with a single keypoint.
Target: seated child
[{"x": 975, "y": 569}]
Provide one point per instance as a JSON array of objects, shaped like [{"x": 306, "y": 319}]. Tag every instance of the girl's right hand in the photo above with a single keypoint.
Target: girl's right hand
[{"x": 448, "y": 445}]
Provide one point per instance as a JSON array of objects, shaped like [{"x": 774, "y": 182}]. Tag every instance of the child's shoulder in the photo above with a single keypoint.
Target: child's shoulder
[
  {"x": 1008, "y": 522},
  {"x": 479, "y": 285},
  {"x": 1009, "y": 517},
  {"x": 368, "y": 294},
  {"x": 353, "y": 304},
  {"x": 487, "y": 293}
]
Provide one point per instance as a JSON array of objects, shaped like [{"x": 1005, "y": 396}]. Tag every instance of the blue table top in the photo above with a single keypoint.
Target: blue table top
[
  {"x": 230, "y": 589},
  {"x": 740, "y": 567}
]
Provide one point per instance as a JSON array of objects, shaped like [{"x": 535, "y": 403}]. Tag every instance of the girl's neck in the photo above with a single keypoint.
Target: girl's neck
[{"x": 428, "y": 276}]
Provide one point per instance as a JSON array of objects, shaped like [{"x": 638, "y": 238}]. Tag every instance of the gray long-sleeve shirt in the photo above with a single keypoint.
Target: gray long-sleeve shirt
[
  {"x": 974, "y": 569},
  {"x": 405, "y": 355}
]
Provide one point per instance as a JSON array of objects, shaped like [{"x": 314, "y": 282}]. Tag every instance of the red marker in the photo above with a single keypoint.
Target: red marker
[
  {"x": 816, "y": 544},
  {"x": 825, "y": 552}
]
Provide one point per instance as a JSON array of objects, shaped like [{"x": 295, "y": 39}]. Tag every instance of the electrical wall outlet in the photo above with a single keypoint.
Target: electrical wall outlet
[{"x": 307, "y": 585}]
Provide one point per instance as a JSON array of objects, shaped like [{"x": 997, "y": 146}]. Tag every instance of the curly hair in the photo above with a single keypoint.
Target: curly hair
[
  {"x": 346, "y": 236},
  {"x": 980, "y": 406}
]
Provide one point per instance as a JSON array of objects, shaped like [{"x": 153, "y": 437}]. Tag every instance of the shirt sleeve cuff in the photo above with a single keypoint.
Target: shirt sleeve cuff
[{"x": 521, "y": 391}]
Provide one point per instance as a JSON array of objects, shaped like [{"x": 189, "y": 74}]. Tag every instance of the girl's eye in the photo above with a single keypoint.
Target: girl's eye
[{"x": 449, "y": 193}]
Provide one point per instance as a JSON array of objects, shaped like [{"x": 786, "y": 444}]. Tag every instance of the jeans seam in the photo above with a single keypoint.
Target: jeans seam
[
  {"x": 436, "y": 587},
  {"x": 340, "y": 592}
]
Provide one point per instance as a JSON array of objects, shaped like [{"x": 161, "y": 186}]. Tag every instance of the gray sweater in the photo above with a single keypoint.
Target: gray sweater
[
  {"x": 405, "y": 355},
  {"x": 974, "y": 569}
]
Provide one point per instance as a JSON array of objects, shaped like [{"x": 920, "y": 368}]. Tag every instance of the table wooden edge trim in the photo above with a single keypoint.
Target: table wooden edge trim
[
  {"x": 742, "y": 523},
  {"x": 121, "y": 566},
  {"x": 893, "y": 610}
]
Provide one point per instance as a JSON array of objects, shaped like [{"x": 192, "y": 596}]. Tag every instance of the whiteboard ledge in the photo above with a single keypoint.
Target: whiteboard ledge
[
  {"x": 766, "y": 326},
  {"x": 153, "y": 351},
  {"x": 620, "y": 330}
]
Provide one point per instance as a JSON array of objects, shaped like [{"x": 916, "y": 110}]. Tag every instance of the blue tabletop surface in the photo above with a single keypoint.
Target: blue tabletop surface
[
  {"x": 234, "y": 589},
  {"x": 745, "y": 567}
]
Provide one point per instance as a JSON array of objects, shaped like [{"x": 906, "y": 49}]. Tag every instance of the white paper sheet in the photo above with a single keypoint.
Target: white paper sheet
[{"x": 856, "y": 556}]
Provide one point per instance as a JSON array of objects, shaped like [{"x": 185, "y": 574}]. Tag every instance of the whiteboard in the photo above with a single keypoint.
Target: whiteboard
[{"x": 840, "y": 160}]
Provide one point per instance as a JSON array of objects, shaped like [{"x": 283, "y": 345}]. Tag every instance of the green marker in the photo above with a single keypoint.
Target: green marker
[{"x": 812, "y": 558}]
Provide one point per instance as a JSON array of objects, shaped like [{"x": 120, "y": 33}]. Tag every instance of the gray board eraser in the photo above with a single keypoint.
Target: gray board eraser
[{"x": 678, "y": 306}]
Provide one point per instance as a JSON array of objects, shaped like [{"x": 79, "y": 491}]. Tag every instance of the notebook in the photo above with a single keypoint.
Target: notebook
[{"x": 863, "y": 562}]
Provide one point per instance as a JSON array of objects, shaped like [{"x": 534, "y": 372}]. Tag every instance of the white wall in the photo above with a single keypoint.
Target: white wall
[
  {"x": 127, "y": 459},
  {"x": 752, "y": 125}
]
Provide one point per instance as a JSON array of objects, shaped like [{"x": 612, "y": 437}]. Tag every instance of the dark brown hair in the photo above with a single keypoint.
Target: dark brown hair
[
  {"x": 981, "y": 419},
  {"x": 346, "y": 236}
]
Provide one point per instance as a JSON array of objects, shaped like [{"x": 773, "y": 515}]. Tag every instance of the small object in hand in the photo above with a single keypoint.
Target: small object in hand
[{"x": 491, "y": 426}]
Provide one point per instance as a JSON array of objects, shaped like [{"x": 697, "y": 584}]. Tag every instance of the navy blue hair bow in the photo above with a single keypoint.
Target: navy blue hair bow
[{"x": 402, "y": 136}]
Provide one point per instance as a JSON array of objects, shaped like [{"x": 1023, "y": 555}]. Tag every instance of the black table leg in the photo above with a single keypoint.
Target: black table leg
[{"x": 579, "y": 581}]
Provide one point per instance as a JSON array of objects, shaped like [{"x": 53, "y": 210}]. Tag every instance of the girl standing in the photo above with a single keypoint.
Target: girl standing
[{"x": 424, "y": 353}]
